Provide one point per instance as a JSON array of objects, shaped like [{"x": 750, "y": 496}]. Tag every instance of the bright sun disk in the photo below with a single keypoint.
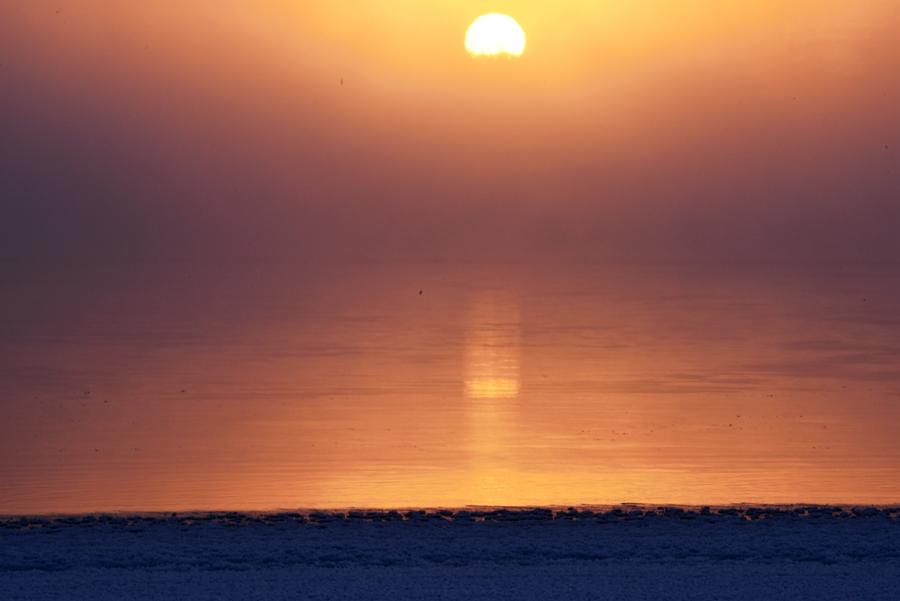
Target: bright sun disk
[{"x": 495, "y": 35}]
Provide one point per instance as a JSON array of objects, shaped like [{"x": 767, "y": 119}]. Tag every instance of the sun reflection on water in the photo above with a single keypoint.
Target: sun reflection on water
[
  {"x": 492, "y": 386},
  {"x": 492, "y": 349}
]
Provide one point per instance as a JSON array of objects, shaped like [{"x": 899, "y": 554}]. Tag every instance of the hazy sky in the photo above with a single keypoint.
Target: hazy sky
[{"x": 640, "y": 131}]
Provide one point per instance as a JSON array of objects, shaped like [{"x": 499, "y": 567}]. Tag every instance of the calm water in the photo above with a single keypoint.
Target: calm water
[{"x": 494, "y": 385}]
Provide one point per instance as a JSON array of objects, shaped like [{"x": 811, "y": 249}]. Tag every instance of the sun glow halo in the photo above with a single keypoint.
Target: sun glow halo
[{"x": 495, "y": 35}]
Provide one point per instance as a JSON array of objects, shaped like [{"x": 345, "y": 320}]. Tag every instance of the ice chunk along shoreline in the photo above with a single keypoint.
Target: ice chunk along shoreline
[{"x": 464, "y": 515}]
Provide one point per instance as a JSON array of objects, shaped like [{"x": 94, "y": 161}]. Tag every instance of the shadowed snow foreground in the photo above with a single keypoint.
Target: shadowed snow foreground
[{"x": 628, "y": 553}]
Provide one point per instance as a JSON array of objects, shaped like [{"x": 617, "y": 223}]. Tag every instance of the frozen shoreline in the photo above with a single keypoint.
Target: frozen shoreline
[{"x": 625, "y": 553}]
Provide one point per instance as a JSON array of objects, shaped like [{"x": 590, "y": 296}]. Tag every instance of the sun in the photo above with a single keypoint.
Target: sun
[{"x": 495, "y": 35}]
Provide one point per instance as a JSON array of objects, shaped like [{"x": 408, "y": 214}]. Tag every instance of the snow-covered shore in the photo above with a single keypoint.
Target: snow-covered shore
[{"x": 627, "y": 553}]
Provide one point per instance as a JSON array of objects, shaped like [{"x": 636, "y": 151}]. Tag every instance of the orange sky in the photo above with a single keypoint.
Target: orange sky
[{"x": 228, "y": 118}]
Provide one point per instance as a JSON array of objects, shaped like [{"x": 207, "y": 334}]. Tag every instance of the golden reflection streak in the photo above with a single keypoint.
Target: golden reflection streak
[
  {"x": 492, "y": 349},
  {"x": 492, "y": 386}
]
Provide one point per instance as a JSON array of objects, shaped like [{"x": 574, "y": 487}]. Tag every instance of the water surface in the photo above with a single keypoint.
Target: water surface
[{"x": 447, "y": 385}]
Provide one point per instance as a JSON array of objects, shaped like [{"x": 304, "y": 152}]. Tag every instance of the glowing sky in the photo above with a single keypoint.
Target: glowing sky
[{"x": 650, "y": 129}]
